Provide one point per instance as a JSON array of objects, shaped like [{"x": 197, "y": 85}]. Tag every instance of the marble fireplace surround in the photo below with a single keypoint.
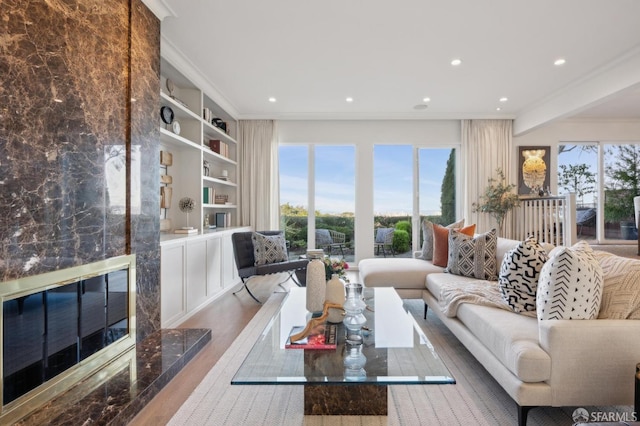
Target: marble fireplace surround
[{"x": 79, "y": 150}]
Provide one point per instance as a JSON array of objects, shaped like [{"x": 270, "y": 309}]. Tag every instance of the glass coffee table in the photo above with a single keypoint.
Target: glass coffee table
[{"x": 395, "y": 351}]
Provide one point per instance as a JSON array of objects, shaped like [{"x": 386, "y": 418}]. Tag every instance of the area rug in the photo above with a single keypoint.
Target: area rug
[{"x": 476, "y": 399}]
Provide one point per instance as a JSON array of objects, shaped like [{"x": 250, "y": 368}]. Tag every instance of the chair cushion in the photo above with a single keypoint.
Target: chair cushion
[
  {"x": 473, "y": 256},
  {"x": 381, "y": 235},
  {"x": 269, "y": 248},
  {"x": 323, "y": 237},
  {"x": 570, "y": 284}
]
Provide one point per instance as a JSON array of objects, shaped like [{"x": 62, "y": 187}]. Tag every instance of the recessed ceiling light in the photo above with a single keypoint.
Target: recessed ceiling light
[
  {"x": 456, "y": 62},
  {"x": 498, "y": 109},
  {"x": 504, "y": 99},
  {"x": 559, "y": 61},
  {"x": 426, "y": 99},
  {"x": 349, "y": 99},
  {"x": 272, "y": 99}
]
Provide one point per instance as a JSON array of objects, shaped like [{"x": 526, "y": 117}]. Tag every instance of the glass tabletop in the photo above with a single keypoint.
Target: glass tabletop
[{"x": 395, "y": 349}]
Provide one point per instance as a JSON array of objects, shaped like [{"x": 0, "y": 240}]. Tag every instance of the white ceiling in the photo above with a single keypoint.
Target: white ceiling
[{"x": 388, "y": 56}]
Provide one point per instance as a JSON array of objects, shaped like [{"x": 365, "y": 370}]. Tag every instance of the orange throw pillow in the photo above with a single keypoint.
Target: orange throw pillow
[{"x": 441, "y": 242}]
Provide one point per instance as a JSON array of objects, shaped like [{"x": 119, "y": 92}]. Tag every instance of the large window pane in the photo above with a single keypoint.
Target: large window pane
[
  {"x": 393, "y": 199},
  {"x": 621, "y": 185},
  {"x": 437, "y": 185},
  {"x": 294, "y": 196},
  {"x": 335, "y": 199},
  {"x": 578, "y": 173}
]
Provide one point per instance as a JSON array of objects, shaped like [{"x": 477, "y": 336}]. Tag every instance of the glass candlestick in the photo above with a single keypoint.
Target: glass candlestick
[{"x": 353, "y": 308}]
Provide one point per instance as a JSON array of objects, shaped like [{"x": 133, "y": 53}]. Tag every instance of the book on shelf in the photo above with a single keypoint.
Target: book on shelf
[
  {"x": 323, "y": 336},
  {"x": 208, "y": 195},
  {"x": 186, "y": 231},
  {"x": 219, "y": 147},
  {"x": 223, "y": 220}
]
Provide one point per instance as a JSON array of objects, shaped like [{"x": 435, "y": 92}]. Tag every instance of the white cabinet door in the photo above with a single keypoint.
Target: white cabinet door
[
  {"x": 172, "y": 279},
  {"x": 214, "y": 266},
  {"x": 196, "y": 273},
  {"x": 229, "y": 271}
]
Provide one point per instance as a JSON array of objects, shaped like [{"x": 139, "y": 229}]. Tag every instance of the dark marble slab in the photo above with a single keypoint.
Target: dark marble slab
[
  {"x": 116, "y": 398},
  {"x": 345, "y": 400}
]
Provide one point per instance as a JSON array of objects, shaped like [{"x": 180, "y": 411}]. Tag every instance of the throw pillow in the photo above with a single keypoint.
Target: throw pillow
[
  {"x": 519, "y": 273},
  {"x": 441, "y": 243},
  {"x": 427, "y": 237},
  {"x": 269, "y": 248},
  {"x": 473, "y": 257},
  {"x": 621, "y": 293},
  {"x": 570, "y": 285}
]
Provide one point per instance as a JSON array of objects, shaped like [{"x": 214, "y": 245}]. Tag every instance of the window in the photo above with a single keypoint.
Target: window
[{"x": 294, "y": 198}]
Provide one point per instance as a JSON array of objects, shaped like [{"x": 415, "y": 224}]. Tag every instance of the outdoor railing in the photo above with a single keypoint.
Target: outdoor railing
[{"x": 550, "y": 219}]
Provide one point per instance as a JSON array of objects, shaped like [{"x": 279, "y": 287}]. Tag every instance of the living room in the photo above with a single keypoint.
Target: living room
[{"x": 56, "y": 213}]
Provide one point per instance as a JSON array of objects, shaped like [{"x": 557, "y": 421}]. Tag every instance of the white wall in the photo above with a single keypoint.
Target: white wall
[{"x": 364, "y": 134}]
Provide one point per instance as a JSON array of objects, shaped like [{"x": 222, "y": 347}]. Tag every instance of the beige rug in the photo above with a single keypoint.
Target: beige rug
[{"x": 476, "y": 399}]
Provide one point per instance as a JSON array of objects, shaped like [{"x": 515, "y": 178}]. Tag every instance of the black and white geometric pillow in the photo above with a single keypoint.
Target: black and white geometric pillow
[
  {"x": 519, "y": 273},
  {"x": 570, "y": 285},
  {"x": 473, "y": 257},
  {"x": 269, "y": 248}
]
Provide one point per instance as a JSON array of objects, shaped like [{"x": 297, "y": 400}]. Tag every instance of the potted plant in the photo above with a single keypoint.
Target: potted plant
[{"x": 498, "y": 199}]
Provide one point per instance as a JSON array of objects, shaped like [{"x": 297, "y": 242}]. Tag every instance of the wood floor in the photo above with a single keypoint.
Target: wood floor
[{"x": 226, "y": 317}]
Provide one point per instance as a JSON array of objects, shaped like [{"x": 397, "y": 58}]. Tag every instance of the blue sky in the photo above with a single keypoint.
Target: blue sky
[{"x": 335, "y": 178}]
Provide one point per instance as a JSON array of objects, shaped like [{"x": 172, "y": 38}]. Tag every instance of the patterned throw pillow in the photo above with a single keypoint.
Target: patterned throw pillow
[
  {"x": 268, "y": 248},
  {"x": 427, "y": 237},
  {"x": 473, "y": 257},
  {"x": 621, "y": 292},
  {"x": 570, "y": 285},
  {"x": 519, "y": 273},
  {"x": 441, "y": 242}
]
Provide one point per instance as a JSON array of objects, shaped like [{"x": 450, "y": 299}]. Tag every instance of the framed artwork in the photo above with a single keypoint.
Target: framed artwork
[{"x": 533, "y": 172}]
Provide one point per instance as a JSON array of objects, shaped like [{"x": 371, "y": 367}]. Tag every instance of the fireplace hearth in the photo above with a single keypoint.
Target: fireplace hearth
[{"x": 60, "y": 327}]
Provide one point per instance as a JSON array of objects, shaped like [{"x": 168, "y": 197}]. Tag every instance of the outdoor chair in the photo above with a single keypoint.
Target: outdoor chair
[
  {"x": 384, "y": 241},
  {"x": 328, "y": 239},
  {"x": 243, "y": 251},
  {"x": 585, "y": 217}
]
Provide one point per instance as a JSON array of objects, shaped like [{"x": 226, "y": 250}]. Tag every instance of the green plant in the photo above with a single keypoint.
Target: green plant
[
  {"x": 400, "y": 241},
  {"x": 577, "y": 178},
  {"x": 448, "y": 191},
  {"x": 404, "y": 225},
  {"x": 623, "y": 183},
  {"x": 498, "y": 199}
]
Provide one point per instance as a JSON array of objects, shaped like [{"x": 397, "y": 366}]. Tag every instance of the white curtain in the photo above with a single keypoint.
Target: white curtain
[
  {"x": 259, "y": 188},
  {"x": 486, "y": 146}
]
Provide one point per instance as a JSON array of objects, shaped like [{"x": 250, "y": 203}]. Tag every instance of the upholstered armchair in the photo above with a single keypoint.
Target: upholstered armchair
[
  {"x": 328, "y": 239},
  {"x": 272, "y": 257}
]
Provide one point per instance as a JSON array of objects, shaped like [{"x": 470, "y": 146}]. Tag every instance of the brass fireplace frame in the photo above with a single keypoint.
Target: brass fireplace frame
[{"x": 9, "y": 290}]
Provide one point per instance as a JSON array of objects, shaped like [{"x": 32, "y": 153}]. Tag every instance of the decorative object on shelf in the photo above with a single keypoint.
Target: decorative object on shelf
[
  {"x": 206, "y": 114},
  {"x": 534, "y": 173},
  {"x": 337, "y": 266},
  {"x": 175, "y": 127},
  {"x": 166, "y": 158},
  {"x": 219, "y": 124},
  {"x": 498, "y": 199},
  {"x": 353, "y": 307},
  {"x": 316, "y": 286},
  {"x": 335, "y": 293},
  {"x": 221, "y": 198},
  {"x": 171, "y": 87},
  {"x": 205, "y": 168},
  {"x": 165, "y": 197},
  {"x": 166, "y": 114},
  {"x": 187, "y": 205}
]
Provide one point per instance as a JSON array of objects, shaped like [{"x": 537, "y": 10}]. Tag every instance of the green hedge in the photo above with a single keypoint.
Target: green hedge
[{"x": 400, "y": 241}]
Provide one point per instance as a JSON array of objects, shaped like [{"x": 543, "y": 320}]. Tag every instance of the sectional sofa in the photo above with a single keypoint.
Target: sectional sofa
[{"x": 537, "y": 362}]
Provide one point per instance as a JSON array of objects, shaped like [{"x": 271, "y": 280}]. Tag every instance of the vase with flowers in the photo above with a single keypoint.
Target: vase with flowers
[{"x": 337, "y": 266}]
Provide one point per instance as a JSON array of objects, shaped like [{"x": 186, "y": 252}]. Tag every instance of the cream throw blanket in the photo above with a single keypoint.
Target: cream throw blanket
[{"x": 479, "y": 292}]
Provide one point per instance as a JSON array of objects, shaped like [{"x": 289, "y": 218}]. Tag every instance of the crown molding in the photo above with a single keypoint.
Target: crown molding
[{"x": 160, "y": 8}]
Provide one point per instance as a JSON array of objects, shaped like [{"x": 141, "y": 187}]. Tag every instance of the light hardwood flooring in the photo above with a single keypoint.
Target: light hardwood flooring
[{"x": 226, "y": 317}]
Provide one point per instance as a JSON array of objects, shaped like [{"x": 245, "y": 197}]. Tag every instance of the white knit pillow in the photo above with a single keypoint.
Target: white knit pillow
[
  {"x": 519, "y": 273},
  {"x": 570, "y": 285}
]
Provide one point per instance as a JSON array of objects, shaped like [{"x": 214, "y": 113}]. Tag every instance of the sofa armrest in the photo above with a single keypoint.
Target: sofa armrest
[{"x": 592, "y": 361}]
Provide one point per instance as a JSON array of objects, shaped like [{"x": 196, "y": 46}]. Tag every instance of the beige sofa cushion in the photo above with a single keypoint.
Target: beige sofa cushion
[
  {"x": 398, "y": 272},
  {"x": 621, "y": 294},
  {"x": 511, "y": 338}
]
